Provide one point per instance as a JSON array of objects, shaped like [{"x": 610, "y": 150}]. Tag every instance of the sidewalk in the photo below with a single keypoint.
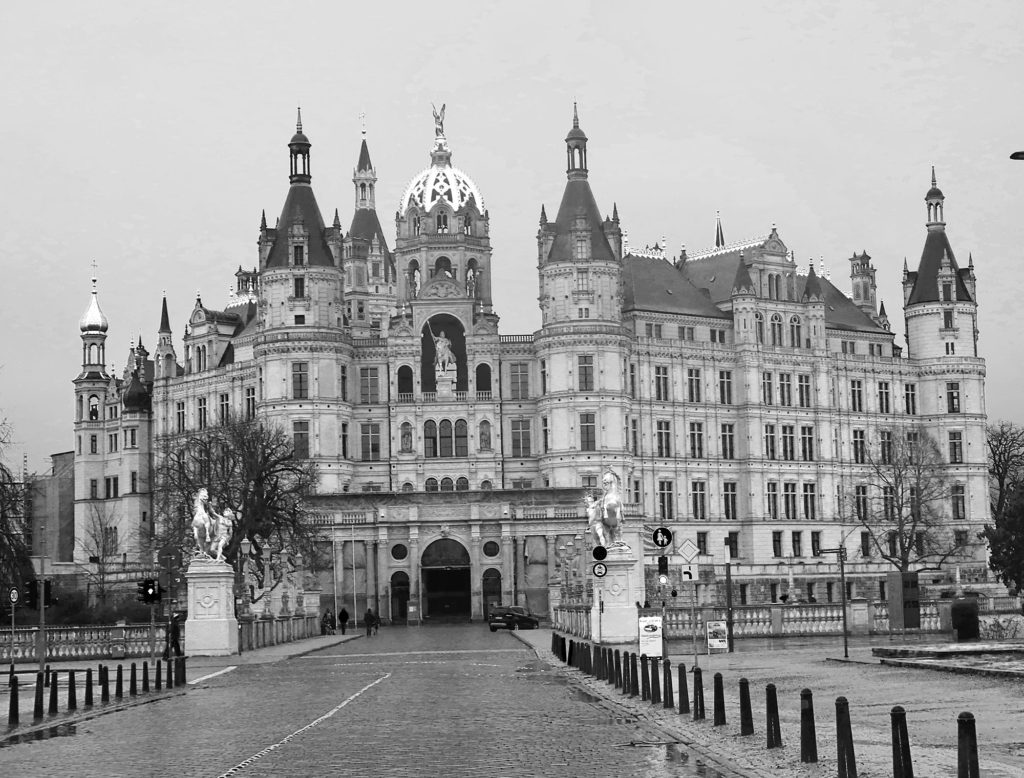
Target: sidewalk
[{"x": 932, "y": 701}]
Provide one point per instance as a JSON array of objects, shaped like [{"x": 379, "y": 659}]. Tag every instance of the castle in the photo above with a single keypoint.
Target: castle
[{"x": 737, "y": 396}]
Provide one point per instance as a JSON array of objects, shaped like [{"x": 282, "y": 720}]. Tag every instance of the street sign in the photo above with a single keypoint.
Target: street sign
[
  {"x": 650, "y": 641},
  {"x": 662, "y": 537},
  {"x": 14, "y": 595},
  {"x": 688, "y": 550},
  {"x": 600, "y": 569},
  {"x": 688, "y": 573},
  {"x": 599, "y": 552}
]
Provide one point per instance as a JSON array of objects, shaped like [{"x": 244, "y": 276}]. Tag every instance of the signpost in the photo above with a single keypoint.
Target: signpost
[
  {"x": 13, "y": 596},
  {"x": 841, "y": 553},
  {"x": 600, "y": 569},
  {"x": 688, "y": 550},
  {"x": 662, "y": 537}
]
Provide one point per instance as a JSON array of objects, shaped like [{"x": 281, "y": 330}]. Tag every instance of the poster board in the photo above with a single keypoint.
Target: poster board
[
  {"x": 650, "y": 636},
  {"x": 717, "y": 636}
]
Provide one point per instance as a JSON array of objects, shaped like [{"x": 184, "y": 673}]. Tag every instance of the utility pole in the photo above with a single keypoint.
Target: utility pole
[{"x": 840, "y": 552}]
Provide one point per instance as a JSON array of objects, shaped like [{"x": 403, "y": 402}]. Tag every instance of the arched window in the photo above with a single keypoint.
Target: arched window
[
  {"x": 442, "y": 223},
  {"x": 404, "y": 380},
  {"x": 443, "y": 267},
  {"x": 431, "y": 484},
  {"x": 430, "y": 439},
  {"x": 447, "y": 485},
  {"x": 406, "y": 437},
  {"x": 461, "y": 438},
  {"x": 407, "y": 487},
  {"x": 796, "y": 332},
  {"x": 759, "y": 325},
  {"x": 415, "y": 225},
  {"x": 485, "y": 436},
  {"x": 446, "y": 438},
  {"x": 776, "y": 330},
  {"x": 94, "y": 407},
  {"x": 483, "y": 378},
  {"x": 467, "y": 224},
  {"x": 414, "y": 280},
  {"x": 362, "y": 191},
  {"x": 462, "y": 484},
  {"x": 486, "y": 486}
]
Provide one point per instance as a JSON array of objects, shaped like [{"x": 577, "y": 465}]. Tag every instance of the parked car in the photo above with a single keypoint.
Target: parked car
[{"x": 511, "y": 617}]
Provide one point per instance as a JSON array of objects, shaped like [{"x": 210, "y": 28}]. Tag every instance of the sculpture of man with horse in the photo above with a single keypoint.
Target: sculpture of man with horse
[
  {"x": 605, "y": 514},
  {"x": 211, "y": 530}
]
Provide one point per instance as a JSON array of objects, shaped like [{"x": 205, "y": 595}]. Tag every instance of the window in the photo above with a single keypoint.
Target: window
[
  {"x": 857, "y": 395},
  {"x": 112, "y": 442},
  {"x": 729, "y": 503},
  {"x": 632, "y": 380},
  {"x": 773, "y": 500},
  {"x": 789, "y": 500},
  {"x": 93, "y": 488},
  {"x": 702, "y": 543},
  {"x": 585, "y": 376},
  {"x": 519, "y": 380},
  {"x": 461, "y": 438},
  {"x": 769, "y": 441},
  {"x": 94, "y": 407},
  {"x": 298, "y": 254},
  {"x": 888, "y": 503},
  {"x": 442, "y": 223},
  {"x": 788, "y": 443},
  {"x": 947, "y": 292},
  {"x": 717, "y": 335},
  {"x": 110, "y": 487},
  {"x": 807, "y": 444},
  {"x": 785, "y": 389},
  {"x": 776, "y": 330},
  {"x": 431, "y": 485},
  {"x": 634, "y": 434},
  {"x": 344, "y": 440},
  {"x": 953, "y": 397},
  {"x": 520, "y": 437},
  {"x": 543, "y": 377},
  {"x": 521, "y": 483},
  {"x": 685, "y": 333},
  {"x": 910, "y": 399},
  {"x": 223, "y": 407},
  {"x": 885, "y": 446},
  {"x": 300, "y": 287},
  {"x": 201, "y": 412},
  {"x": 766, "y": 388},
  {"x": 588, "y": 432},
  {"x": 865, "y": 544},
  {"x": 109, "y": 544},
  {"x": 693, "y": 384},
  {"x": 732, "y": 541},
  {"x": 849, "y": 346},
  {"x": 956, "y": 448},
  {"x": 959, "y": 502},
  {"x": 369, "y": 439},
  {"x": 859, "y": 448},
  {"x": 884, "y": 405},
  {"x": 947, "y": 320},
  {"x": 179, "y": 414},
  {"x": 795, "y": 332},
  {"x": 796, "y": 541},
  {"x": 583, "y": 313},
  {"x": 664, "y": 439},
  {"x": 300, "y": 380},
  {"x": 250, "y": 402},
  {"x": 661, "y": 383},
  {"x": 816, "y": 543},
  {"x": 545, "y": 436},
  {"x": 653, "y": 330},
  {"x": 445, "y": 438},
  {"x": 759, "y": 325},
  {"x": 860, "y": 502},
  {"x": 300, "y": 318},
  {"x": 777, "y": 544},
  {"x": 462, "y": 484},
  {"x": 698, "y": 500},
  {"x": 588, "y": 481},
  {"x": 697, "y": 440},
  {"x": 728, "y": 441},
  {"x": 300, "y": 439},
  {"x": 725, "y": 387},
  {"x": 636, "y": 491},
  {"x": 810, "y": 502},
  {"x": 666, "y": 500},
  {"x": 134, "y": 481},
  {"x": 343, "y": 382},
  {"x": 803, "y": 390},
  {"x": 369, "y": 390},
  {"x": 582, "y": 280}
]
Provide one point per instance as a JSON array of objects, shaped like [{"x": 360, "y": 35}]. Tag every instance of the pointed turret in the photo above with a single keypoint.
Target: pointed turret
[
  {"x": 576, "y": 149},
  {"x": 938, "y": 263},
  {"x": 298, "y": 147},
  {"x": 812, "y": 289},
  {"x": 742, "y": 285},
  {"x": 364, "y": 178},
  {"x": 543, "y": 216},
  {"x": 165, "y": 320}
]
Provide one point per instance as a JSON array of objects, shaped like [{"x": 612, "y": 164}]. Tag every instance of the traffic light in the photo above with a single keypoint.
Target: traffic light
[
  {"x": 150, "y": 591},
  {"x": 142, "y": 588},
  {"x": 48, "y": 599},
  {"x": 663, "y": 565},
  {"x": 32, "y": 594}
]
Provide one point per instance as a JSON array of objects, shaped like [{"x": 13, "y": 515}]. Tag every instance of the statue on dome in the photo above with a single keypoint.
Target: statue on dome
[
  {"x": 438, "y": 121},
  {"x": 605, "y": 514}
]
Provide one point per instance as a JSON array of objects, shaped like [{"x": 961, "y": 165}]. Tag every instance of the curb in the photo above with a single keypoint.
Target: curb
[{"x": 915, "y": 664}]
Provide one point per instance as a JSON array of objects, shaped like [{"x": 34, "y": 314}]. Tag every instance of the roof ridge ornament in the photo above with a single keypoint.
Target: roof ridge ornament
[{"x": 298, "y": 121}]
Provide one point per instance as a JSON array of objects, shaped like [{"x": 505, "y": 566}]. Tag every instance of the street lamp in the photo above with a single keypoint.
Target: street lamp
[
  {"x": 841, "y": 554},
  {"x": 244, "y": 547}
]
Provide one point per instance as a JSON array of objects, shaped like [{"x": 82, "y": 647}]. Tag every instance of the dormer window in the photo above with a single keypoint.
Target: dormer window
[
  {"x": 947, "y": 292},
  {"x": 582, "y": 247},
  {"x": 299, "y": 255}
]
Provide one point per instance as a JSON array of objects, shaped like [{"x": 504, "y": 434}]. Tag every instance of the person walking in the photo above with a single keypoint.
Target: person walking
[
  {"x": 325, "y": 623},
  {"x": 173, "y": 637},
  {"x": 343, "y": 620},
  {"x": 369, "y": 619}
]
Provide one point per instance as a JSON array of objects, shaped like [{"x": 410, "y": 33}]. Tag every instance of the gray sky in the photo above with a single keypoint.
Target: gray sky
[{"x": 149, "y": 137}]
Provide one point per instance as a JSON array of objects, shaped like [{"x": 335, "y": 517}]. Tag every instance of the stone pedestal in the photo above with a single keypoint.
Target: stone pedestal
[
  {"x": 211, "y": 628},
  {"x": 618, "y": 591},
  {"x": 445, "y": 383}
]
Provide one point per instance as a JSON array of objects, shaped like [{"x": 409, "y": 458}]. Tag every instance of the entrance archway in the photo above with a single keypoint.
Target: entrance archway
[
  {"x": 445, "y": 567},
  {"x": 491, "y": 588},
  {"x": 399, "y": 596}
]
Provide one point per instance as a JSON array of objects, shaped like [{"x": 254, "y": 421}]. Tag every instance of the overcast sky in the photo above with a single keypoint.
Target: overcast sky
[{"x": 149, "y": 137}]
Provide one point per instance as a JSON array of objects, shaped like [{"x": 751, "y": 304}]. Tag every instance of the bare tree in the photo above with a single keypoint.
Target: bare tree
[
  {"x": 1005, "y": 536},
  {"x": 1005, "y": 462},
  {"x": 15, "y": 564},
  {"x": 101, "y": 543},
  {"x": 903, "y": 500}
]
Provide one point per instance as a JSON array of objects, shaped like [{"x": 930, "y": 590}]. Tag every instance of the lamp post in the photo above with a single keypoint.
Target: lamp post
[
  {"x": 244, "y": 548},
  {"x": 841, "y": 554}
]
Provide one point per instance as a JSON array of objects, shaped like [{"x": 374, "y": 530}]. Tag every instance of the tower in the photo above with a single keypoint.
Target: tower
[
  {"x": 862, "y": 278},
  {"x": 165, "y": 360}
]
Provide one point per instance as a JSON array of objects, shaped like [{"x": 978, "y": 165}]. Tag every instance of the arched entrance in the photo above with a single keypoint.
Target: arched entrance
[
  {"x": 491, "y": 588},
  {"x": 400, "y": 596},
  {"x": 446, "y": 583}
]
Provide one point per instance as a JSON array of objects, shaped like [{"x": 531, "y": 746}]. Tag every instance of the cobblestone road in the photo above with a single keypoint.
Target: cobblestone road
[{"x": 438, "y": 701}]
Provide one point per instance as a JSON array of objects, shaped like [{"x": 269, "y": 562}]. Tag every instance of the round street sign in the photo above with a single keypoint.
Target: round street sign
[
  {"x": 14, "y": 595},
  {"x": 600, "y": 569},
  {"x": 599, "y": 552},
  {"x": 662, "y": 537}
]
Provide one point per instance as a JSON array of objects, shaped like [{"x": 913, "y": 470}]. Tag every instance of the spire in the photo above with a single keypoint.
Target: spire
[
  {"x": 576, "y": 149},
  {"x": 298, "y": 121},
  {"x": 298, "y": 148},
  {"x": 575, "y": 116},
  {"x": 933, "y": 177},
  {"x": 337, "y": 220},
  {"x": 543, "y": 216},
  {"x": 719, "y": 236},
  {"x": 881, "y": 310},
  {"x": 812, "y": 289},
  {"x": 364, "y": 178},
  {"x": 742, "y": 284},
  {"x": 615, "y": 212},
  {"x": 165, "y": 320},
  {"x": 263, "y": 220},
  {"x": 364, "y": 163},
  {"x": 934, "y": 200}
]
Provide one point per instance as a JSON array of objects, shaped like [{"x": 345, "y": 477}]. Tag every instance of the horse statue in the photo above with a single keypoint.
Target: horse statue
[
  {"x": 202, "y": 523},
  {"x": 605, "y": 514}
]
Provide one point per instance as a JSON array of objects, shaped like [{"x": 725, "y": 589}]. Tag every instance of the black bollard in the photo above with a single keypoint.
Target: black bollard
[
  {"x": 668, "y": 701},
  {"x": 145, "y": 677},
  {"x": 588, "y": 664},
  {"x": 645, "y": 679},
  {"x": 626, "y": 685},
  {"x": 170, "y": 673},
  {"x": 808, "y": 737},
  {"x": 46, "y": 677},
  {"x": 698, "y": 694},
  {"x": 746, "y": 712},
  {"x": 158, "y": 682},
  {"x": 563, "y": 650},
  {"x": 52, "y": 707},
  {"x": 180, "y": 675},
  {"x": 655, "y": 683},
  {"x": 902, "y": 764},
  {"x": 104, "y": 684},
  {"x": 88, "y": 687},
  {"x": 844, "y": 740},
  {"x": 570, "y": 659},
  {"x": 119, "y": 683},
  {"x": 37, "y": 708},
  {"x": 618, "y": 669},
  {"x": 13, "y": 718},
  {"x": 771, "y": 700},
  {"x": 133, "y": 682},
  {"x": 684, "y": 690},
  {"x": 72, "y": 691},
  {"x": 719, "y": 700},
  {"x": 554, "y": 643},
  {"x": 634, "y": 675},
  {"x": 967, "y": 746}
]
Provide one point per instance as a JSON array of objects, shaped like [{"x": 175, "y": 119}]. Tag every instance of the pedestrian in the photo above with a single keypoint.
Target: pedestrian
[
  {"x": 325, "y": 622},
  {"x": 173, "y": 637},
  {"x": 343, "y": 619},
  {"x": 369, "y": 619}
]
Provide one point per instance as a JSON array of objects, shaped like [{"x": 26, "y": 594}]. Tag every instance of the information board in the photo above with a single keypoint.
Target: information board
[
  {"x": 718, "y": 636},
  {"x": 650, "y": 636}
]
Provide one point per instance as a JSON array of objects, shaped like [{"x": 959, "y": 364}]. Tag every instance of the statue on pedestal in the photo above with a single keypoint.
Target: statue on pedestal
[
  {"x": 605, "y": 514},
  {"x": 211, "y": 530}
]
